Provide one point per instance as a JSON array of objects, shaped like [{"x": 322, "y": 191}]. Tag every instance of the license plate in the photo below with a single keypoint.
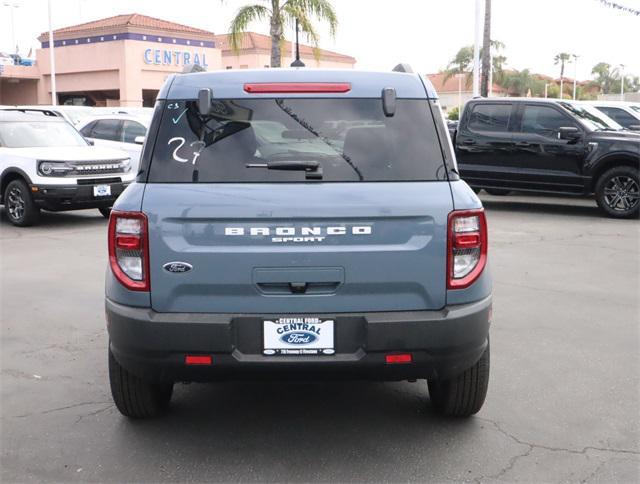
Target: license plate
[
  {"x": 102, "y": 190},
  {"x": 298, "y": 336}
]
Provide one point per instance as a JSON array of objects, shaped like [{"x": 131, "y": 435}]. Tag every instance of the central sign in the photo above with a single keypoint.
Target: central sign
[{"x": 164, "y": 57}]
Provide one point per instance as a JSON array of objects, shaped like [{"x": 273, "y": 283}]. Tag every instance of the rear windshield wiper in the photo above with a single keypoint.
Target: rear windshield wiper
[{"x": 312, "y": 168}]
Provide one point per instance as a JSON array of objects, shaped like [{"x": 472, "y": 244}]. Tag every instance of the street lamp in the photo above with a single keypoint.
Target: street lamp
[
  {"x": 575, "y": 74},
  {"x": 546, "y": 89},
  {"x": 459, "y": 76},
  {"x": 12, "y": 6},
  {"x": 52, "y": 61}
]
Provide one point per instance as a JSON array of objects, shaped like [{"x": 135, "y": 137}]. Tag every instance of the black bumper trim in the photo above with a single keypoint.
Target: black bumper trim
[
  {"x": 73, "y": 197},
  {"x": 443, "y": 343}
]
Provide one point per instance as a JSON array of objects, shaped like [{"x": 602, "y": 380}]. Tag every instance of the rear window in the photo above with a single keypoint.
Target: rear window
[
  {"x": 490, "y": 117},
  {"x": 350, "y": 139}
]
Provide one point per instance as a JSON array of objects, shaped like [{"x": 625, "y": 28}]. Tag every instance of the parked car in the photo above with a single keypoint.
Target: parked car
[
  {"x": 363, "y": 259},
  {"x": 120, "y": 131},
  {"x": 624, "y": 113},
  {"x": 549, "y": 146},
  {"x": 46, "y": 164}
]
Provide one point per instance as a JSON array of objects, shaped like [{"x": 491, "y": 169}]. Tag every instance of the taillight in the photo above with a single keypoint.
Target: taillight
[
  {"x": 129, "y": 249},
  {"x": 466, "y": 248}
]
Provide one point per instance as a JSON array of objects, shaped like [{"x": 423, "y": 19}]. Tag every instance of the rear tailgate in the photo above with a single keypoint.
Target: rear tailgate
[{"x": 299, "y": 247}]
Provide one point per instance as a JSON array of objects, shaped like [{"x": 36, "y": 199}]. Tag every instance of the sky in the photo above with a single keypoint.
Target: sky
[{"x": 381, "y": 33}]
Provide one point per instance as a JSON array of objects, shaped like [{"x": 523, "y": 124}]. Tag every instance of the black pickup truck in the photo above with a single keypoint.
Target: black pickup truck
[{"x": 549, "y": 146}]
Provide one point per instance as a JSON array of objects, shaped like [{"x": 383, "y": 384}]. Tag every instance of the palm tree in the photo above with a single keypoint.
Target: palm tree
[
  {"x": 604, "y": 76},
  {"x": 461, "y": 63},
  {"x": 561, "y": 59},
  {"x": 522, "y": 83},
  {"x": 281, "y": 13},
  {"x": 486, "y": 51}
]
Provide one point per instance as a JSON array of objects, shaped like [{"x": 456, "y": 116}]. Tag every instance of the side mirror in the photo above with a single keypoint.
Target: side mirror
[
  {"x": 204, "y": 101},
  {"x": 635, "y": 127},
  {"x": 389, "y": 101},
  {"x": 139, "y": 140},
  {"x": 569, "y": 133},
  {"x": 90, "y": 142}
]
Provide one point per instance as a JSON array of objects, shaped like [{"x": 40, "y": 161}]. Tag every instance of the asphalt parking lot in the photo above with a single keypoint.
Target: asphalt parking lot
[{"x": 562, "y": 405}]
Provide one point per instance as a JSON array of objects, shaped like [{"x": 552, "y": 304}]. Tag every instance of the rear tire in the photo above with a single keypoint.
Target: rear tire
[
  {"x": 135, "y": 397},
  {"x": 499, "y": 192},
  {"x": 463, "y": 395},
  {"x": 19, "y": 206},
  {"x": 105, "y": 212},
  {"x": 618, "y": 192}
]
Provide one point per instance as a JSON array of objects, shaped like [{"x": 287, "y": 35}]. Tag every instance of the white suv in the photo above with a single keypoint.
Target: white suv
[{"x": 46, "y": 164}]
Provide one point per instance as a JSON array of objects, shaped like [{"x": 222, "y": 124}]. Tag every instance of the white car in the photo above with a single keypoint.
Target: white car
[
  {"x": 125, "y": 132},
  {"x": 626, "y": 114},
  {"x": 46, "y": 164}
]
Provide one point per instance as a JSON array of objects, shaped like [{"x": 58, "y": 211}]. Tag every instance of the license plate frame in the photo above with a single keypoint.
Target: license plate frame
[
  {"x": 298, "y": 336},
  {"x": 101, "y": 191}
]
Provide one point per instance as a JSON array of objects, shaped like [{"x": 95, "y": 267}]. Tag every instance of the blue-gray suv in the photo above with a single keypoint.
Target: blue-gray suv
[{"x": 298, "y": 223}]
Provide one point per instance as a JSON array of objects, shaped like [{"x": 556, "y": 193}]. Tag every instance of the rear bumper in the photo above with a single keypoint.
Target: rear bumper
[
  {"x": 443, "y": 343},
  {"x": 74, "y": 197}
]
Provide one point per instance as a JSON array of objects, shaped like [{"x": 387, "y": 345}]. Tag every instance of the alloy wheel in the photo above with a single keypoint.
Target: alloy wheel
[
  {"x": 16, "y": 203},
  {"x": 622, "y": 193}
]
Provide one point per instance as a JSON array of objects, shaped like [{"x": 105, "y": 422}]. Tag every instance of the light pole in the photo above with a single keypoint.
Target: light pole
[
  {"x": 459, "y": 76},
  {"x": 546, "y": 89},
  {"x": 476, "y": 50},
  {"x": 52, "y": 61},
  {"x": 575, "y": 74},
  {"x": 12, "y": 6},
  {"x": 621, "y": 82}
]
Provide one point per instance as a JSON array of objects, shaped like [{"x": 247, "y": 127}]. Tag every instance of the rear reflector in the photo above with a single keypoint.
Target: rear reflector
[
  {"x": 401, "y": 358},
  {"x": 197, "y": 360},
  {"x": 296, "y": 87}
]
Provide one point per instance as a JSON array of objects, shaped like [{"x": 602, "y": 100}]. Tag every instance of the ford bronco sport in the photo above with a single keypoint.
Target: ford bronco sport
[{"x": 298, "y": 223}]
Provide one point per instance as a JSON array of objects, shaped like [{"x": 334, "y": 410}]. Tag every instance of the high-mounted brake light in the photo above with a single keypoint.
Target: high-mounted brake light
[
  {"x": 395, "y": 359},
  {"x": 197, "y": 360},
  {"x": 466, "y": 247},
  {"x": 129, "y": 249},
  {"x": 297, "y": 87}
]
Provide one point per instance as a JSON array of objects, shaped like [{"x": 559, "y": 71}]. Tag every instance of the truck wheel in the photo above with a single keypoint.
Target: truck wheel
[
  {"x": 463, "y": 395},
  {"x": 135, "y": 397},
  {"x": 20, "y": 208},
  {"x": 618, "y": 192},
  {"x": 497, "y": 191},
  {"x": 105, "y": 212}
]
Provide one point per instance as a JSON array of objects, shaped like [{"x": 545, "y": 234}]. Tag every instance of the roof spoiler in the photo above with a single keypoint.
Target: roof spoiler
[{"x": 403, "y": 67}]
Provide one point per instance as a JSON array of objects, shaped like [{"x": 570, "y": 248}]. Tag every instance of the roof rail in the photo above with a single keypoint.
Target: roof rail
[
  {"x": 403, "y": 67},
  {"x": 44, "y": 111}
]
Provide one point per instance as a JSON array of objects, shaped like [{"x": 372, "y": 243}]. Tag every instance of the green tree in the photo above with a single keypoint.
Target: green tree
[
  {"x": 462, "y": 63},
  {"x": 604, "y": 76},
  {"x": 454, "y": 114},
  {"x": 281, "y": 13},
  {"x": 523, "y": 83}
]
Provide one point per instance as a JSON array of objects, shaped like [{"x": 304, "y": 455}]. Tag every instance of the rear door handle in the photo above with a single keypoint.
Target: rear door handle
[
  {"x": 468, "y": 142},
  {"x": 523, "y": 144}
]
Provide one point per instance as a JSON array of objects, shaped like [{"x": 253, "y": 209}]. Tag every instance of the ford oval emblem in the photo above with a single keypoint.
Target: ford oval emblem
[
  {"x": 177, "y": 267},
  {"x": 299, "y": 338}
]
